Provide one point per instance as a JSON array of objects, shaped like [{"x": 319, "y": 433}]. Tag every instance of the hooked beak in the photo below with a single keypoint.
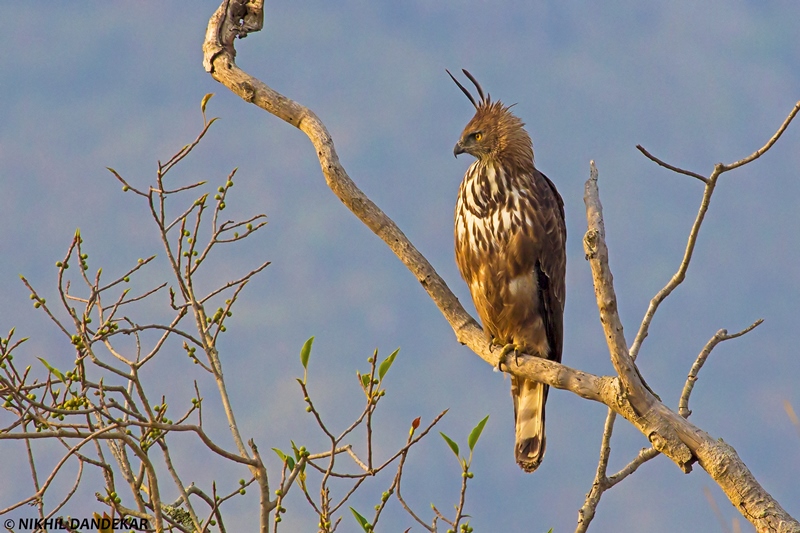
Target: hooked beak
[{"x": 458, "y": 149}]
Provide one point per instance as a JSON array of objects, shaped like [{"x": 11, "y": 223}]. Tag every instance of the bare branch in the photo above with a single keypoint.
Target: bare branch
[
  {"x": 758, "y": 153},
  {"x": 597, "y": 254},
  {"x": 670, "y": 167},
  {"x": 680, "y": 275},
  {"x": 184, "y": 188},
  {"x": 711, "y": 183},
  {"x": 125, "y": 185},
  {"x": 234, "y": 283},
  {"x": 645, "y": 454},
  {"x": 720, "y": 336},
  {"x": 71, "y": 492},
  {"x": 160, "y": 327},
  {"x": 179, "y": 484},
  {"x": 600, "y": 483},
  {"x": 143, "y": 296},
  {"x": 41, "y": 490}
]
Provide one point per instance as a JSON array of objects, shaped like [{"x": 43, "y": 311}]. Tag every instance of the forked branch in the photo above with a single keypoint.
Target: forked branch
[{"x": 600, "y": 483}]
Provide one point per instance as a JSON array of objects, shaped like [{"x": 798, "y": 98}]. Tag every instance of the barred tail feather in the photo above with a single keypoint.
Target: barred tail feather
[{"x": 529, "y": 398}]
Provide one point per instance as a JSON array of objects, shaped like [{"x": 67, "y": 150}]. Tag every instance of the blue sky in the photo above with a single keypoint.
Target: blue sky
[{"x": 90, "y": 85}]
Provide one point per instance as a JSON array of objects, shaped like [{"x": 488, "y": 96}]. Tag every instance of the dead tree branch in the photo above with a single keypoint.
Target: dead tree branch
[{"x": 626, "y": 394}]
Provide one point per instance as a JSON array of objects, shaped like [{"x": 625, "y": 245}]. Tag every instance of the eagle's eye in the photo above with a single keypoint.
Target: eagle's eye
[{"x": 478, "y": 136}]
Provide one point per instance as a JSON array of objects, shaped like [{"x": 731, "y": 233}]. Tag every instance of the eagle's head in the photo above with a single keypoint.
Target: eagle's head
[{"x": 494, "y": 133}]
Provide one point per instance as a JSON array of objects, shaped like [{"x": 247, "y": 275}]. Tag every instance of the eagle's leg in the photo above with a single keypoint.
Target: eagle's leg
[{"x": 507, "y": 349}]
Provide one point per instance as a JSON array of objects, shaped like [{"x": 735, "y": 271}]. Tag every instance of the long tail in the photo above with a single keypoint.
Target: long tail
[{"x": 529, "y": 398}]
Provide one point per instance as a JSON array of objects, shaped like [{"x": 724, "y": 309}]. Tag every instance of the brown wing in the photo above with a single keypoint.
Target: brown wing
[
  {"x": 546, "y": 234},
  {"x": 552, "y": 263}
]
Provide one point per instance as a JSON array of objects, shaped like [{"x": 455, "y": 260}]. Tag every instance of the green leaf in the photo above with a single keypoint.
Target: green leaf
[
  {"x": 475, "y": 434},
  {"x": 55, "y": 371},
  {"x": 290, "y": 463},
  {"x": 387, "y": 364},
  {"x": 365, "y": 381},
  {"x": 361, "y": 520},
  {"x": 305, "y": 352},
  {"x": 205, "y": 100},
  {"x": 450, "y": 442},
  {"x": 280, "y": 454}
]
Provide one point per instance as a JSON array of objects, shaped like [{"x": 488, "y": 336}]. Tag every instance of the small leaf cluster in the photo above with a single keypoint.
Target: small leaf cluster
[
  {"x": 249, "y": 228},
  {"x": 75, "y": 403},
  {"x": 289, "y": 461},
  {"x": 112, "y": 497},
  {"x": 37, "y": 302},
  {"x": 472, "y": 440},
  {"x": 149, "y": 438},
  {"x": 77, "y": 341},
  {"x": 466, "y": 474},
  {"x": 107, "y": 329},
  {"x": 6, "y": 347},
  {"x": 218, "y": 316},
  {"x": 370, "y": 382},
  {"x": 190, "y": 351},
  {"x": 221, "y": 192}
]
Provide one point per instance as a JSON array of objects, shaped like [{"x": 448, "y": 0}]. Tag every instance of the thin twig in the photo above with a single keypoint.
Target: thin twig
[
  {"x": 680, "y": 275},
  {"x": 234, "y": 283},
  {"x": 645, "y": 454},
  {"x": 178, "y": 483},
  {"x": 758, "y": 153},
  {"x": 719, "y": 336},
  {"x": 599, "y": 485},
  {"x": 670, "y": 167}
]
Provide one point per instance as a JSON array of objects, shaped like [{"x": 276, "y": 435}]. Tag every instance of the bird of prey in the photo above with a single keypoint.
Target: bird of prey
[{"x": 510, "y": 248}]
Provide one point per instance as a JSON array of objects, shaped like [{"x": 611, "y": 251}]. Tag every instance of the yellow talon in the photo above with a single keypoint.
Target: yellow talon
[{"x": 507, "y": 348}]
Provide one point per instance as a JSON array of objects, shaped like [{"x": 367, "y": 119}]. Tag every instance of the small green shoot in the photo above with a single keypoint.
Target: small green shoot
[
  {"x": 387, "y": 364},
  {"x": 361, "y": 521},
  {"x": 56, "y": 372},
  {"x": 475, "y": 434},
  {"x": 305, "y": 352},
  {"x": 450, "y": 442}
]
